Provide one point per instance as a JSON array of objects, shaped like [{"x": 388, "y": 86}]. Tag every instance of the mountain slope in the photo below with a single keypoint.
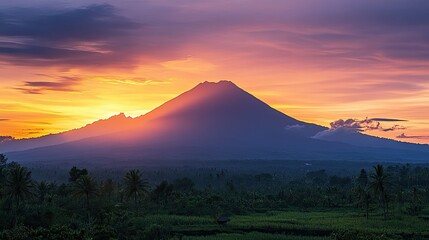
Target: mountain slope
[
  {"x": 353, "y": 137},
  {"x": 212, "y": 121},
  {"x": 210, "y": 109},
  {"x": 115, "y": 123}
]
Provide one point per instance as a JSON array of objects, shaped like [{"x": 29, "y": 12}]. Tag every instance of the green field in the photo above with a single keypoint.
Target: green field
[
  {"x": 294, "y": 225},
  {"x": 254, "y": 235}
]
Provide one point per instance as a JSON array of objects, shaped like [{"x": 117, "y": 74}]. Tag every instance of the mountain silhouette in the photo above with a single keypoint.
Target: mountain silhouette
[
  {"x": 100, "y": 127},
  {"x": 212, "y": 121}
]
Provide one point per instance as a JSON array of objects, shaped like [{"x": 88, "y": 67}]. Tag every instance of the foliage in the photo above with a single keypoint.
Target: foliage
[
  {"x": 157, "y": 232},
  {"x": 75, "y": 173},
  {"x": 18, "y": 184},
  {"x": 360, "y": 235},
  {"x": 135, "y": 185},
  {"x": 315, "y": 205},
  {"x": 86, "y": 187},
  {"x": 53, "y": 233},
  {"x": 379, "y": 182}
]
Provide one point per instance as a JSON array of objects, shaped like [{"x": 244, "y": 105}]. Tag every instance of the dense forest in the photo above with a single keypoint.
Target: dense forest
[{"x": 384, "y": 202}]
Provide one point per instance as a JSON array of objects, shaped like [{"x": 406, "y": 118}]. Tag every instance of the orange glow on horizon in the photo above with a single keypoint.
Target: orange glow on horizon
[
  {"x": 99, "y": 97},
  {"x": 303, "y": 64}
]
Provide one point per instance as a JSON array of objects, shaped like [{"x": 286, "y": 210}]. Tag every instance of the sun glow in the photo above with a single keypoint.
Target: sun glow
[{"x": 313, "y": 71}]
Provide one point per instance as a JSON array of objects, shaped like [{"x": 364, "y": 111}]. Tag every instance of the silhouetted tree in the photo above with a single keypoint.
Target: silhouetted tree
[
  {"x": 42, "y": 189},
  {"x": 264, "y": 177},
  {"x": 362, "y": 179},
  {"x": 317, "y": 177},
  {"x": 135, "y": 185},
  {"x": 363, "y": 192},
  {"x": 364, "y": 198},
  {"x": 404, "y": 175},
  {"x": 183, "y": 184},
  {"x": 230, "y": 186},
  {"x": 85, "y": 186},
  {"x": 339, "y": 181},
  {"x": 3, "y": 161},
  {"x": 415, "y": 205},
  {"x": 108, "y": 187},
  {"x": 75, "y": 173},
  {"x": 379, "y": 182},
  {"x": 18, "y": 185},
  {"x": 162, "y": 192}
]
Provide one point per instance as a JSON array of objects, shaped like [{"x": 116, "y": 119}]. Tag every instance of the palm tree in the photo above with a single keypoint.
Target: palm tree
[
  {"x": 85, "y": 186},
  {"x": 363, "y": 179},
  {"x": 108, "y": 188},
  {"x": 364, "y": 198},
  {"x": 3, "y": 161},
  {"x": 379, "y": 182},
  {"x": 42, "y": 189},
  {"x": 18, "y": 185},
  {"x": 135, "y": 185},
  {"x": 363, "y": 192},
  {"x": 415, "y": 206}
]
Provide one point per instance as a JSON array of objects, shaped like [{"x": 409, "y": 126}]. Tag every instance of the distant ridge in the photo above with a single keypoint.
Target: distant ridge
[{"x": 104, "y": 126}]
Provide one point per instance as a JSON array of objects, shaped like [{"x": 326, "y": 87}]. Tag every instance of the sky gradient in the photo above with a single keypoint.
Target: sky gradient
[{"x": 63, "y": 65}]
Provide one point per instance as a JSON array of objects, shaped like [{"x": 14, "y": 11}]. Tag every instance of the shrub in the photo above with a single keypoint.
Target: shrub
[
  {"x": 157, "y": 232},
  {"x": 360, "y": 235}
]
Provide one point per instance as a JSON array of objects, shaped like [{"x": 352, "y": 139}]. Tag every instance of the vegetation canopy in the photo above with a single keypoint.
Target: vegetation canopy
[{"x": 379, "y": 202}]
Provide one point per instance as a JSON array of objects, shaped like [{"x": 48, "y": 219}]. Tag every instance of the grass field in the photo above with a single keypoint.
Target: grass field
[
  {"x": 317, "y": 225},
  {"x": 254, "y": 235}
]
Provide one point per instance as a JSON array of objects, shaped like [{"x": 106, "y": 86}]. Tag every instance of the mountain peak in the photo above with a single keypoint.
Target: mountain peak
[{"x": 222, "y": 84}]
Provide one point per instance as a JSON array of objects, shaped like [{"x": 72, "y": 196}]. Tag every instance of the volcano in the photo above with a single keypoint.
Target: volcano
[{"x": 212, "y": 121}]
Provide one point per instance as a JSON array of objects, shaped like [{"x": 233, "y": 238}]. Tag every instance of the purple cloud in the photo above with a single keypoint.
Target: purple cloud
[
  {"x": 404, "y": 136},
  {"x": 91, "y": 35},
  {"x": 357, "y": 125},
  {"x": 366, "y": 124},
  {"x": 394, "y": 128},
  {"x": 388, "y": 120},
  {"x": 100, "y": 34},
  {"x": 65, "y": 84},
  {"x": 354, "y": 126}
]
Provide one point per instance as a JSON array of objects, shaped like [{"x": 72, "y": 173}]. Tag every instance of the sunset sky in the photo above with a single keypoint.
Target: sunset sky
[{"x": 64, "y": 64}]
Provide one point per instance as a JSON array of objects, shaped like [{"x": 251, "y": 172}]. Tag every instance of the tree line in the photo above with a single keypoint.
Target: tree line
[{"x": 85, "y": 206}]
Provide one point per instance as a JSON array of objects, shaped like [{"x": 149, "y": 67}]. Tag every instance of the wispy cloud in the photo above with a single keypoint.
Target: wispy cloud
[
  {"x": 404, "y": 136},
  {"x": 363, "y": 33},
  {"x": 394, "y": 128},
  {"x": 4, "y": 119},
  {"x": 367, "y": 124},
  {"x": 91, "y": 35},
  {"x": 357, "y": 125},
  {"x": 134, "y": 81},
  {"x": 32, "y": 131},
  {"x": 387, "y": 120},
  {"x": 60, "y": 84},
  {"x": 350, "y": 126}
]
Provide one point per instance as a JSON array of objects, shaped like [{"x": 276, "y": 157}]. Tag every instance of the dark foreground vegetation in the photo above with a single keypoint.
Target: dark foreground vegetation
[{"x": 385, "y": 202}]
